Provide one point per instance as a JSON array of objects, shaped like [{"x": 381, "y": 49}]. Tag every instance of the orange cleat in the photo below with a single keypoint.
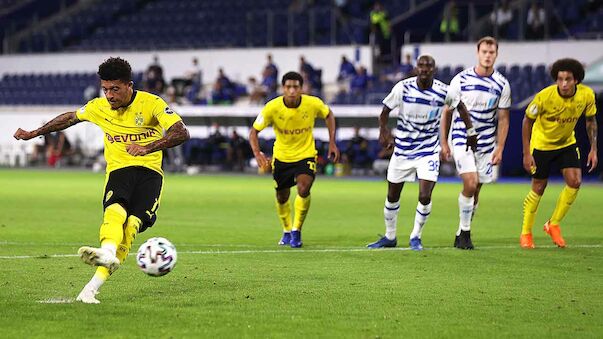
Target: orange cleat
[
  {"x": 526, "y": 241},
  {"x": 555, "y": 232}
]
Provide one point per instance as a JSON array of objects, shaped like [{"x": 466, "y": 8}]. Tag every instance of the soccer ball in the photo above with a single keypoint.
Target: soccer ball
[{"x": 156, "y": 257}]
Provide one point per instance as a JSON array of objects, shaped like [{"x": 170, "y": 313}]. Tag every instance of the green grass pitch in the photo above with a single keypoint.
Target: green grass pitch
[{"x": 232, "y": 280}]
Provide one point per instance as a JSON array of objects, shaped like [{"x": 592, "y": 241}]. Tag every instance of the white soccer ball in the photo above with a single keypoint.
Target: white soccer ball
[{"x": 156, "y": 257}]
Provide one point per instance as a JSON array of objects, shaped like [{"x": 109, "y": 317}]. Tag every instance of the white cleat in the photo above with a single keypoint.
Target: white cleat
[
  {"x": 99, "y": 257},
  {"x": 88, "y": 296}
]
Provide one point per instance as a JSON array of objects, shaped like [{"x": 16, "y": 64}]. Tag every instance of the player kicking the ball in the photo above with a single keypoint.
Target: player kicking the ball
[{"x": 134, "y": 124}]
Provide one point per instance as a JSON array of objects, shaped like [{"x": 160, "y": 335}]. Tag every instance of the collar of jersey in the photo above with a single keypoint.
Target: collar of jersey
[
  {"x": 562, "y": 97},
  {"x": 300, "y": 101},
  {"x": 131, "y": 100}
]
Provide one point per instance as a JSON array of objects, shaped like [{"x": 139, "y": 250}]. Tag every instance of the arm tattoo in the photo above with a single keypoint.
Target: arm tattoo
[
  {"x": 591, "y": 129},
  {"x": 59, "y": 123},
  {"x": 174, "y": 136}
]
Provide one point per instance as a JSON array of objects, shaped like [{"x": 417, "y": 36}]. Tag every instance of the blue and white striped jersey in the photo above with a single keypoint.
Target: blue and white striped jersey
[
  {"x": 419, "y": 114},
  {"x": 482, "y": 96}
]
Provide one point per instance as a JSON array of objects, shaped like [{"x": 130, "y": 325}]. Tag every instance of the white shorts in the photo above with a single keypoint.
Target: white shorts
[
  {"x": 401, "y": 169},
  {"x": 467, "y": 162}
]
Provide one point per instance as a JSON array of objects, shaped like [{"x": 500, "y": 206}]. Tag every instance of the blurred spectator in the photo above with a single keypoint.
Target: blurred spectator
[
  {"x": 360, "y": 81},
  {"x": 449, "y": 27},
  {"x": 346, "y": 69},
  {"x": 305, "y": 66},
  {"x": 535, "y": 21},
  {"x": 223, "y": 89},
  {"x": 380, "y": 27},
  {"x": 217, "y": 145},
  {"x": 272, "y": 72},
  {"x": 269, "y": 83},
  {"x": 194, "y": 74},
  {"x": 256, "y": 92},
  {"x": 406, "y": 69},
  {"x": 57, "y": 147},
  {"x": 153, "y": 81},
  {"x": 500, "y": 18},
  {"x": 307, "y": 86},
  {"x": 312, "y": 77},
  {"x": 358, "y": 151},
  {"x": 238, "y": 152}
]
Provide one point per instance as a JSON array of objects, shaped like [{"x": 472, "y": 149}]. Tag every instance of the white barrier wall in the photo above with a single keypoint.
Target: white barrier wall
[
  {"x": 511, "y": 52},
  {"x": 239, "y": 64},
  {"x": 91, "y": 137}
]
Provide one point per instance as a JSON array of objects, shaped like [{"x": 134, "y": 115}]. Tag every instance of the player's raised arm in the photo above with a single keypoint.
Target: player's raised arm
[
  {"x": 59, "y": 123},
  {"x": 333, "y": 150},
  {"x": 591, "y": 129},
  {"x": 174, "y": 136}
]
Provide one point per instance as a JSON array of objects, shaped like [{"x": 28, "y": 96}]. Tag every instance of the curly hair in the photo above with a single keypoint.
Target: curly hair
[
  {"x": 568, "y": 65},
  {"x": 292, "y": 76},
  {"x": 115, "y": 69}
]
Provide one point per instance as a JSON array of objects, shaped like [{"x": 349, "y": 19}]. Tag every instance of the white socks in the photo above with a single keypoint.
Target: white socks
[
  {"x": 465, "y": 213},
  {"x": 390, "y": 214},
  {"x": 421, "y": 216},
  {"x": 111, "y": 248},
  {"x": 95, "y": 283}
]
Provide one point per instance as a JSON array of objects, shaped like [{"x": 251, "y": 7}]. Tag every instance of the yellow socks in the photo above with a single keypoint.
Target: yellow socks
[
  {"x": 301, "y": 210},
  {"x": 284, "y": 215},
  {"x": 130, "y": 231},
  {"x": 530, "y": 206},
  {"x": 112, "y": 229},
  {"x": 565, "y": 201}
]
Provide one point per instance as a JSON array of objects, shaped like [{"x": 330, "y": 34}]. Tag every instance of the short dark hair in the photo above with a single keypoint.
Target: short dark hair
[
  {"x": 292, "y": 76},
  {"x": 568, "y": 65},
  {"x": 115, "y": 69},
  {"x": 488, "y": 40}
]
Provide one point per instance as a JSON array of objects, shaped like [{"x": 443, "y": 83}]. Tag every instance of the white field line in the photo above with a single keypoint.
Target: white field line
[{"x": 296, "y": 251}]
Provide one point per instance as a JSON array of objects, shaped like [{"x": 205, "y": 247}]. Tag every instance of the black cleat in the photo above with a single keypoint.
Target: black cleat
[{"x": 463, "y": 241}]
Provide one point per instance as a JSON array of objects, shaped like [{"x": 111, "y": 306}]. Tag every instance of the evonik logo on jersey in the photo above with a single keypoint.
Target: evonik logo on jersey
[
  {"x": 130, "y": 137},
  {"x": 294, "y": 131}
]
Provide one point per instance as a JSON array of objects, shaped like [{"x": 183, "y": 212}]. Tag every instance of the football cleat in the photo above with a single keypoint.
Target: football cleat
[
  {"x": 555, "y": 232},
  {"x": 99, "y": 257},
  {"x": 463, "y": 241},
  {"x": 88, "y": 296},
  {"x": 415, "y": 244},
  {"x": 383, "y": 242},
  {"x": 526, "y": 241},
  {"x": 286, "y": 239},
  {"x": 296, "y": 241}
]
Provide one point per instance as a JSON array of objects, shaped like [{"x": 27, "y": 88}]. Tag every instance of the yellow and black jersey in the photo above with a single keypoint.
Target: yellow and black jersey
[
  {"x": 556, "y": 116},
  {"x": 293, "y": 126},
  {"x": 142, "y": 122}
]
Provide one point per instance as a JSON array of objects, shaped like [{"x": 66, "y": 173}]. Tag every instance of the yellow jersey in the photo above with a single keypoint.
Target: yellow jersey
[
  {"x": 142, "y": 122},
  {"x": 293, "y": 126},
  {"x": 556, "y": 116}
]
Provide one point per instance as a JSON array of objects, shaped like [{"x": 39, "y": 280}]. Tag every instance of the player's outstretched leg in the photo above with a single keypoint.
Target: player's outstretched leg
[{"x": 104, "y": 258}]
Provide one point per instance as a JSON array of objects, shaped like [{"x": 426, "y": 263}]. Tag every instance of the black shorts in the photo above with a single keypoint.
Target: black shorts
[
  {"x": 285, "y": 173},
  {"x": 138, "y": 190},
  {"x": 567, "y": 157}
]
